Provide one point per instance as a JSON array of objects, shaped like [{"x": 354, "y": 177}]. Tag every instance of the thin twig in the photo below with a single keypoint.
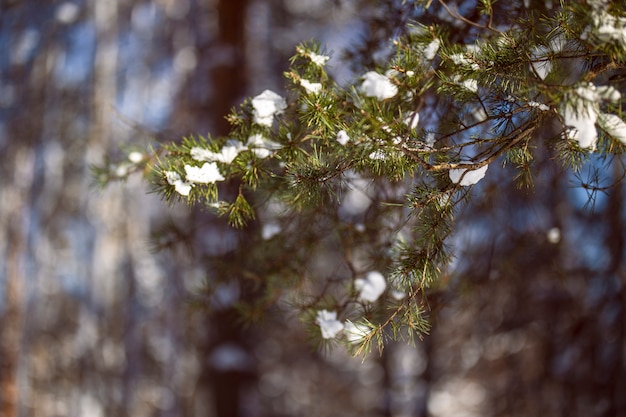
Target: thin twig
[
  {"x": 516, "y": 137},
  {"x": 456, "y": 15}
]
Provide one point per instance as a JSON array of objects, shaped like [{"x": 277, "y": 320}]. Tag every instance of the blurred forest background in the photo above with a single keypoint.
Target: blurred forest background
[{"x": 107, "y": 307}]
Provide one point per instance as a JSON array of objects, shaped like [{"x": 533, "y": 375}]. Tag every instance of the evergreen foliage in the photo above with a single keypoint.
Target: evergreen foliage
[{"x": 369, "y": 176}]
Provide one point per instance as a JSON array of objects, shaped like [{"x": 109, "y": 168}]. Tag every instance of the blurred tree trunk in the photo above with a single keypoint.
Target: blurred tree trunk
[
  {"x": 11, "y": 323},
  {"x": 219, "y": 81},
  {"x": 228, "y": 81},
  {"x": 105, "y": 67},
  {"x": 616, "y": 339},
  {"x": 18, "y": 164},
  {"x": 229, "y": 78}
]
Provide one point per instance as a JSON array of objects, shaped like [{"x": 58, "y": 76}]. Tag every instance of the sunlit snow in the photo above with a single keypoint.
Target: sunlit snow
[
  {"x": 266, "y": 105},
  {"x": 463, "y": 60},
  {"x": 371, "y": 287},
  {"x": 355, "y": 333},
  {"x": 342, "y": 137},
  {"x": 467, "y": 177},
  {"x": 313, "y": 88},
  {"x": 318, "y": 59},
  {"x": 538, "y": 105},
  {"x": 541, "y": 56},
  {"x": 606, "y": 28},
  {"x": 431, "y": 50},
  {"x": 412, "y": 119},
  {"x": 181, "y": 187},
  {"x": 208, "y": 173},
  {"x": 227, "y": 154},
  {"x": 580, "y": 113},
  {"x": 261, "y": 146},
  {"x": 329, "y": 325},
  {"x": 378, "y": 86},
  {"x": 613, "y": 125}
]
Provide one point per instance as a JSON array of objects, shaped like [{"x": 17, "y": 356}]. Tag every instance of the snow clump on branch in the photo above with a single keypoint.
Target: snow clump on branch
[
  {"x": 313, "y": 88},
  {"x": 266, "y": 105},
  {"x": 208, "y": 173},
  {"x": 541, "y": 56},
  {"x": 371, "y": 287},
  {"x": 412, "y": 119},
  {"x": 580, "y": 112},
  {"x": 261, "y": 146},
  {"x": 466, "y": 177},
  {"x": 463, "y": 61},
  {"x": 181, "y": 187},
  {"x": 318, "y": 59},
  {"x": 378, "y": 86},
  {"x": 613, "y": 125},
  {"x": 227, "y": 154},
  {"x": 329, "y": 325},
  {"x": 606, "y": 28},
  {"x": 342, "y": 137},
  {"x": 431, "y": 49},
  {"x": 355, "y": 333}
]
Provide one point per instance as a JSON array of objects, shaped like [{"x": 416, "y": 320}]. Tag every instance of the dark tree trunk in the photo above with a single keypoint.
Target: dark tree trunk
[
  {"x": 227, "y": 86},
  {"x": 229, "y": 78}
]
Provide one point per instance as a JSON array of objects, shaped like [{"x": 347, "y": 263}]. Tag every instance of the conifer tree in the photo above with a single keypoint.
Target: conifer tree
[{"x": 354, "y": 188}]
